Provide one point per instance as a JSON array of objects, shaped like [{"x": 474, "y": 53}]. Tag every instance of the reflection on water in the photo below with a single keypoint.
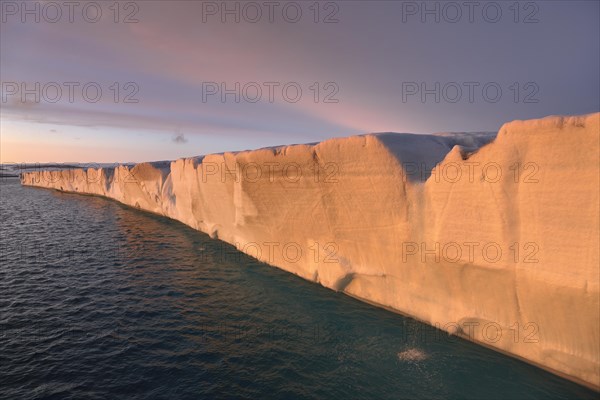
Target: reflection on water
[{"x": 102, "y": 301}]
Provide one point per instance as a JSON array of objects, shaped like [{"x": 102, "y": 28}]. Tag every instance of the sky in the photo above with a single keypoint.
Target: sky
[{"x": 146, "y": 80}]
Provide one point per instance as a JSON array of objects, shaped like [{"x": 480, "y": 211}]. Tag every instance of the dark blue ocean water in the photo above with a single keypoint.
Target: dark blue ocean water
[{"x": 102, "y": 301}]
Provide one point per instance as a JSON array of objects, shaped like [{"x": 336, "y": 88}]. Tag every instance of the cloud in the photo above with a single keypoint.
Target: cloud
[
  {"x": 193, "y": 116},
  {"x": 179, "y": 138}
]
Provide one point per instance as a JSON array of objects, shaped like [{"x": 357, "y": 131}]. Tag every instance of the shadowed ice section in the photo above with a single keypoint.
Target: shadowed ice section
[{"x": 419, "y": 154}]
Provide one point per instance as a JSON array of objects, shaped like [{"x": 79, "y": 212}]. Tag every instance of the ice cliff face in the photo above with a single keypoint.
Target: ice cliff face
[{"x": 494, "y": 238}]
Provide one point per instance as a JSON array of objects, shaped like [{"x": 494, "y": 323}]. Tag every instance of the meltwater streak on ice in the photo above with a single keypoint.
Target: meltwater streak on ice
[{"x": 101, "y": 301}]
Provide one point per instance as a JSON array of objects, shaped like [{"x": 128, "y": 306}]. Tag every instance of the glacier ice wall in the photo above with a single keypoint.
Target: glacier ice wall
[{"x": 493, "y": 238}]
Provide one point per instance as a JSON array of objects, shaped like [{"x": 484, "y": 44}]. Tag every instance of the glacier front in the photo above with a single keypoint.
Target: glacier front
[{"x": 491, "y": 237}]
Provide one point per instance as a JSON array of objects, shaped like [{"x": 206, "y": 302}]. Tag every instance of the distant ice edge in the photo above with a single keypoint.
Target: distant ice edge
[{"x": 362, "y": 202}]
